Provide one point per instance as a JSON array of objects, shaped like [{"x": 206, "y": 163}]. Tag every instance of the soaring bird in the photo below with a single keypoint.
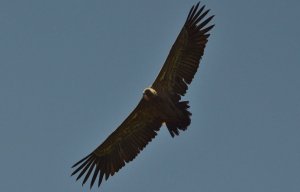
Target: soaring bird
[{"x": 160, "y": 104}]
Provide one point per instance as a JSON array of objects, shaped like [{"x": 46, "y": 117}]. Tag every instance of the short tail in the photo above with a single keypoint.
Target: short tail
[{"x": 182, "y": 121}]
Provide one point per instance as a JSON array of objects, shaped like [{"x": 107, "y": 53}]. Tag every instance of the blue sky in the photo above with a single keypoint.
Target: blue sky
[{"x": 71, "y": 72}]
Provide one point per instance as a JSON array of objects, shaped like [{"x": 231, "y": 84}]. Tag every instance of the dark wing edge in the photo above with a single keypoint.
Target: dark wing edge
[
  {"x": 184, "y": 57},
  {"x": 121, "y": 147}
]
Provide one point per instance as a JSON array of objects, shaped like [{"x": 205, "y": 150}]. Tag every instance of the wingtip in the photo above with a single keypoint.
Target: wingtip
[
  {"x": 78, "y": 177},
  {"x": 193, "y": 10},
  {"x": 79, "y": 162},
  {"x": 197, "y": 5}
]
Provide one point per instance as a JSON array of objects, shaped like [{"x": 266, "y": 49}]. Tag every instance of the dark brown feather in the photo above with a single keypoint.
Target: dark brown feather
[
  {"x": 123, "y": 145},
  {"x": 183, "y": 60}
]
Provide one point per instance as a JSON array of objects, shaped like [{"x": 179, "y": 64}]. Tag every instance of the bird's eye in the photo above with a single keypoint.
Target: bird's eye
[{"x": 147, "y": 92}]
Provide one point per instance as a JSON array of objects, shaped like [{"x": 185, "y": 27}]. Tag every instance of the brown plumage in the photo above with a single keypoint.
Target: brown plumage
[{"x": 161, "y": 103}]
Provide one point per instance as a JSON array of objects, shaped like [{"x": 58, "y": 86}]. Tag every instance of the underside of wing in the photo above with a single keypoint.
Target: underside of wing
[
  {"x": 122, "y": 146},
  {"x": 184, "y": 57}
]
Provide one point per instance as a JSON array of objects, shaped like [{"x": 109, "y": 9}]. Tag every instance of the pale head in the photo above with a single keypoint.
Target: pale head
[{"x": 149, "y": 93}]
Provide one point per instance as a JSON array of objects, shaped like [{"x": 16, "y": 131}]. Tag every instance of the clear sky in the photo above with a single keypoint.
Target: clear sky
[{"x": 71, "y": 72}]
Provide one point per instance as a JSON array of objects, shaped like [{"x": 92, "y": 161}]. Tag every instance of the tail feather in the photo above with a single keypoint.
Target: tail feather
[{"x": 181, "y": 122}]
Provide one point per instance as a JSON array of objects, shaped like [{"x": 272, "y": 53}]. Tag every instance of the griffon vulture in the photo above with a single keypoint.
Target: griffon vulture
[{"x": 160, "y": 104}]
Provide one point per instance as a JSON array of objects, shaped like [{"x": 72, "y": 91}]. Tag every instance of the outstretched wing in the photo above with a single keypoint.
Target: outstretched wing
[
  {"x": 122, "y": 146},
  {"x": 184, "y": 57}
]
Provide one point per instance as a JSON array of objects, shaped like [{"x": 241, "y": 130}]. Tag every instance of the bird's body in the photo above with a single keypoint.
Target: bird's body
[
  {"x": 166, "y": 110},
  {"x": 160, "y": 104}
]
